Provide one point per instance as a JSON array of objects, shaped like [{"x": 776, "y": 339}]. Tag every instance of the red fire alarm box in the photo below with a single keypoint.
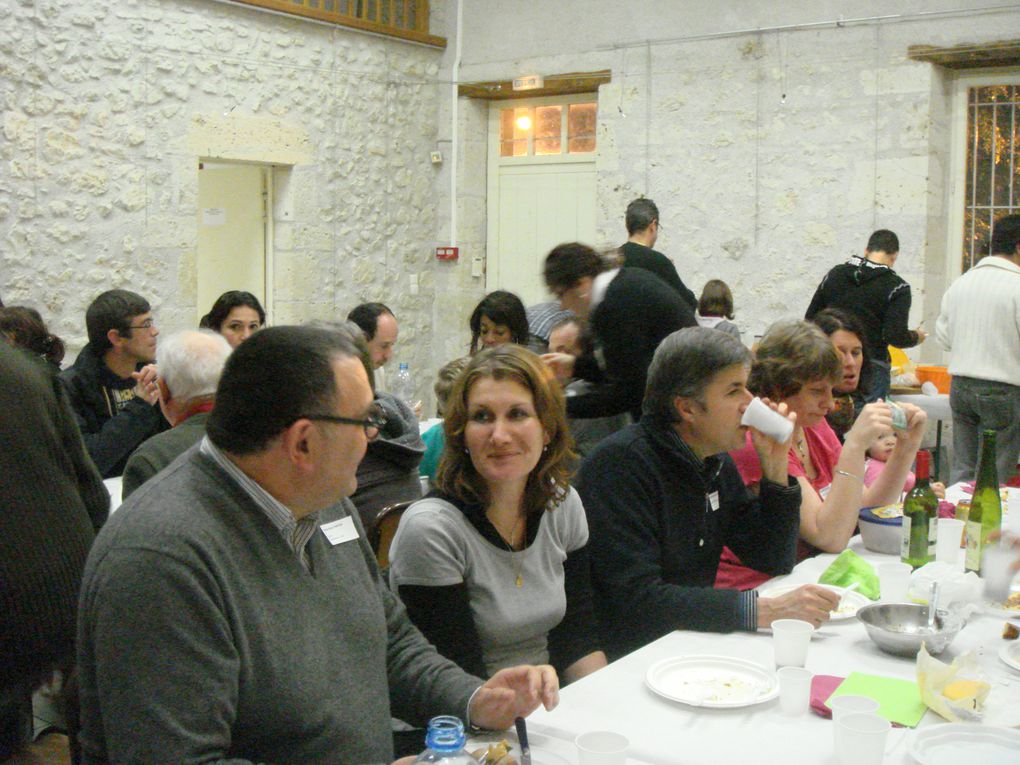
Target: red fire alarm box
[{"x": 447, "y": 253}]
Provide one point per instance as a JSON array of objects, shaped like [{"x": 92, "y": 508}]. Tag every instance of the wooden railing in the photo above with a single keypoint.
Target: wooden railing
[{"x": 406, "y": 19}]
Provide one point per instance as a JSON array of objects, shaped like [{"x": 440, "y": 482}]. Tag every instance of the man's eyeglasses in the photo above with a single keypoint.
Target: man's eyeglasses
[
  {"x": 147, "y": 324},
  {"x": 375, "y": 420}
]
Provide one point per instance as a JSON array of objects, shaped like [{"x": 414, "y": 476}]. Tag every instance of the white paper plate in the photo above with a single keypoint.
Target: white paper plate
[
  {"x": 955, "y": 743},
  {"x": 852, "y": 601},
  {"x": 712, "y": 681},
  {"x": 1010, "y": 654},
  {"x": 997, "y": 609}
]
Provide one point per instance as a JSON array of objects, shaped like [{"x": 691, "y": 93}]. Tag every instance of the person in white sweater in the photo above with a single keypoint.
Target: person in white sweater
[{"x": 979, "y": 325}]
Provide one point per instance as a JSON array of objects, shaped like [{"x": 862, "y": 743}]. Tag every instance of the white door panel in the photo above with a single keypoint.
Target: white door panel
[
  {"x": 535, "y": 202},
  {"x": 231, "y": 232}
]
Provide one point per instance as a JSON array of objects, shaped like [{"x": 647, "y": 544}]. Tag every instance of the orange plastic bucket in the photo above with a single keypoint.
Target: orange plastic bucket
[{"x": 935, "y": 374}]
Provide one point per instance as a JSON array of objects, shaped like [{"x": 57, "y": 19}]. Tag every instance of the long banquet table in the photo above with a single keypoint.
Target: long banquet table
[{"x": 663, "y": 732}]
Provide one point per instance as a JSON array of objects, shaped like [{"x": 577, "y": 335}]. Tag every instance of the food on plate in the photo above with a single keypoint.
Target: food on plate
[
  {"x": 969, "y": 694},
  {"x": 495, "y": 754},
  {"x": 1010, "y": 631},
  {"x": 1012, "y": 603}
]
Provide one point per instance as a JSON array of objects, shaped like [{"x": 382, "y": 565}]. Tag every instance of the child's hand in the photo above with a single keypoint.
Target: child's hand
[{"x": 939, "y": 488}]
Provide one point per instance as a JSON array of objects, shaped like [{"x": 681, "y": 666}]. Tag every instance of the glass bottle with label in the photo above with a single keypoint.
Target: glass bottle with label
[
  {"x": 920, "y": 517},
  {"x": 986, "y": 506}
]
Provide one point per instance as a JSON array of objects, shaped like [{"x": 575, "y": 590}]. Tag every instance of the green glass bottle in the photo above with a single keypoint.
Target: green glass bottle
[
  {"x": 920, "y": 516},
  {"x": 986, "y": 506}
]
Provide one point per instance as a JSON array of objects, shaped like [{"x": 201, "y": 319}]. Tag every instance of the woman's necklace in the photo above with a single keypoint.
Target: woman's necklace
[
  {"x": 515, "y": 559},
  {"x": 802, "y": 450}
]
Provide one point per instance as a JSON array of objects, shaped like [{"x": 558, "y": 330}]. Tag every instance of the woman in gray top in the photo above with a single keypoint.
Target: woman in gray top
[{"x": 493, "y": 565}]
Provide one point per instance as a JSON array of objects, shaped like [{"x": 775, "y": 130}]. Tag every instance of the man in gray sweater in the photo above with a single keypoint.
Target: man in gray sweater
[{"x": 232, "y": 612}]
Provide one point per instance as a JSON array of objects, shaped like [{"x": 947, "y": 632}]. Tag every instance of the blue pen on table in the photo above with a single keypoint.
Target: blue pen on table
[{"x": 522, "y": 738}]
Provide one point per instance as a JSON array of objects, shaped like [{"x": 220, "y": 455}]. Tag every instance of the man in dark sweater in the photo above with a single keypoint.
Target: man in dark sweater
[
  {"x": 52, "y": 500},
  {"x": 112, "y": 384},
  {"x": 663, "y": 497},
  {"x": 630, "y": 311},
  {"x": 867, "y": 287},
  {"x": 190, "y": 364},
  {"x": 232, "y": 610},
  {"x": 643, "y": 231}
]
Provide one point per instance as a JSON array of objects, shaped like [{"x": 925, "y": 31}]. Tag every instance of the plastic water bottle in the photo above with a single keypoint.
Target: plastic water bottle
[
  {"x": 445, "y": 742},
  {"x": 403, "y": 387}
]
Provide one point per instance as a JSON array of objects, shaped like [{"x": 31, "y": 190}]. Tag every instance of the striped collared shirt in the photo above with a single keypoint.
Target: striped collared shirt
[{"x": 295, "y": 532}]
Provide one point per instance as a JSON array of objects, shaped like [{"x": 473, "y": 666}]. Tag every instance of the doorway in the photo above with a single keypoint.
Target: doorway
[
  {"x": 233, "y": 220},
  {"x": 541, "y": 187}
]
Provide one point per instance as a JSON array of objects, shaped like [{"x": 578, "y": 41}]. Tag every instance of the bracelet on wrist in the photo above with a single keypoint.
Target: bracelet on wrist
[{"x": 850, "y": 475}]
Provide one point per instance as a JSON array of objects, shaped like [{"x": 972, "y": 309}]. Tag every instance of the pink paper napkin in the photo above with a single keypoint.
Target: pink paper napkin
[{"x": 822, "y": 687}]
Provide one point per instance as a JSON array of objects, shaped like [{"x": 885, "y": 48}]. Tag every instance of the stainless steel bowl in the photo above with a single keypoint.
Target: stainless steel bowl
[{"x": 900, "y": 628}]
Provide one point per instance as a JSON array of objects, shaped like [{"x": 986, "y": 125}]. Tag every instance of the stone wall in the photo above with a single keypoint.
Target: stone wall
[
  {"x": 772, "y": 156},
  {"x": 108, "y": 106}
]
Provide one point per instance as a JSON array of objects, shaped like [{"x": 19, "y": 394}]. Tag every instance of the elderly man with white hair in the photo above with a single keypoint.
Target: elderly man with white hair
[{"x": 189, "y": 364}]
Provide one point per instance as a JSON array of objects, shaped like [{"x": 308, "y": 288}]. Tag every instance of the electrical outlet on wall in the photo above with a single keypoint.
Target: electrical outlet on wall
[
  {"x": 413, "y": 279},
  {"x": 477, "y": 266}
]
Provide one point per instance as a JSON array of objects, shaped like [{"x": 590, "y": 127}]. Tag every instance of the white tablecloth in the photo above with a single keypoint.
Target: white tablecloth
[{"x": 667, "y": 733}]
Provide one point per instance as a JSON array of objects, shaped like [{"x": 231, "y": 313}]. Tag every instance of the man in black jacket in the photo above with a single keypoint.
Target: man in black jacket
[
  {"x": 663, "y": 497},
  {"x": 630, "y": 311},
  {"x": 52, "y": 501},
  {"x": 112, "y": 384},
  {"x": 642, "y": 232},
  {"x": 867, "y": 287}
]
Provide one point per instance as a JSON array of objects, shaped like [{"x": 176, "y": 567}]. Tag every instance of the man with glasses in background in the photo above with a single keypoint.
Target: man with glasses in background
[
  {"x": 112, "y": 384},
  {"x": 233, "y": 610}
]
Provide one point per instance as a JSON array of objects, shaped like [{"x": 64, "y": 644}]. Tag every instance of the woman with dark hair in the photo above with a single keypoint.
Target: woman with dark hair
[
  {"x": 236, "y": 315},
  {"x": 715, "y": 308},
  {"x": 797, "y": 365},
  {"x": 499, "y": 318},
  {"x": 847, "y": 335},
  {"x": 24, "y": 327},
  {"x": 493, "y": 564}
]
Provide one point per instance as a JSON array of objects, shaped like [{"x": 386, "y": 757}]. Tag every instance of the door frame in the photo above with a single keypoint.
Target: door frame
[{"x": 495, "y": 163}]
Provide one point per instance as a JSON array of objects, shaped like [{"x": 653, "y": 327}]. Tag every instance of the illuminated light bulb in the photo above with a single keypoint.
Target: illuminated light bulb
[{"x": 524, "y": 122}]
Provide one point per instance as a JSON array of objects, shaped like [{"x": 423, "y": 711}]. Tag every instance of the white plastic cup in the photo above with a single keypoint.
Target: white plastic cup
[
  {"x": 996, "y": 570},
  {"x": 790, "y": 640},
  {"x": 849, "y": 705},
  {"x": 947, "y": 545},
  {"x": 860, "y": 738},
  {"x": 894, "y": 581},
  {"x": 770, "y": 422},
  {"x": 601, "y": 747},
  {"x": 794, "y": 690}
]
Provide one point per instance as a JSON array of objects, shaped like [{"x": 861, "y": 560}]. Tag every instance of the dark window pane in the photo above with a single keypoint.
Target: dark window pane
[{"x": 983, "y": 157}]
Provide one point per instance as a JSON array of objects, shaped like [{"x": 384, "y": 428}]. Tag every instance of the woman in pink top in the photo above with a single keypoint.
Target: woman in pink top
[{"x": 796, "y": 364}]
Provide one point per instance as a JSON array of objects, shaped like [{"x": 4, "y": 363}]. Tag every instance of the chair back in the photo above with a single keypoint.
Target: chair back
[{"x": 383, "y": 528}]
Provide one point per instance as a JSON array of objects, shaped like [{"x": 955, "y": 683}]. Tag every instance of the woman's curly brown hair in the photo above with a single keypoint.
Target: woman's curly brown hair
[
  {"x": 791, "y": 355},
  {"x": 549, "y": 480}
]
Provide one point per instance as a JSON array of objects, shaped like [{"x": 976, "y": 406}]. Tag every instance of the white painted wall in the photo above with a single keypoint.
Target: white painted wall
[{"x": 764, "y": 192}]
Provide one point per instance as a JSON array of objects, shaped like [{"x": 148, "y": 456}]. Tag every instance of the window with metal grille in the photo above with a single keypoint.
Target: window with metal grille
[
  {"x": 407, "y": 19},
  {"x": 993, "y": 165}
]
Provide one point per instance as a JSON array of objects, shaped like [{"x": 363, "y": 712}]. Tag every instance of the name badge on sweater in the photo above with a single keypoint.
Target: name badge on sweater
[
  {"x": 338, "y": 532},
  {"x": 713, "y": 500}
]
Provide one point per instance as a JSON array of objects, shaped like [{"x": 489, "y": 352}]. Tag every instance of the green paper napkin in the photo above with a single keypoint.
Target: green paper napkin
[
  {"x": 849, "y": 567},
  {"x": 899, "y": 700}
]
